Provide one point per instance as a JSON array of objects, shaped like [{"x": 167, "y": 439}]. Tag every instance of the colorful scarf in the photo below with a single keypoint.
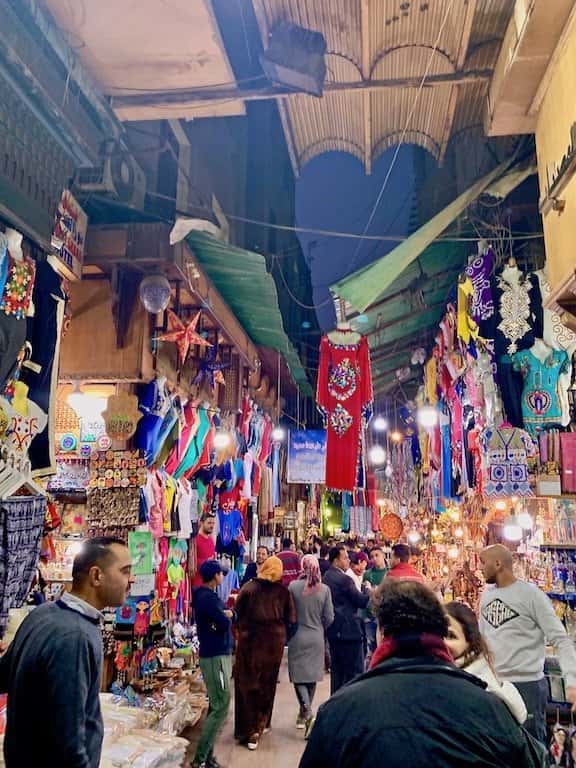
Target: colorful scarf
[
  {"x": 311, "y": 572},
  {"x": 411, "y": 646}
]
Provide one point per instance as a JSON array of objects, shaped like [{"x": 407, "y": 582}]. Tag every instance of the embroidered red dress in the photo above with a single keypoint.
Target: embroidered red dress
[{"x": 344, "y": 397}]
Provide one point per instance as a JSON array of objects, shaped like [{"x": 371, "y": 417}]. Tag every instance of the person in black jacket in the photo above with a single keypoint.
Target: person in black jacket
[
  {"x": 251, "y": 572},
  {"x": 414, "y": 707},
  {"x": 345, "y": 636},
  {"x": 213, "y": 623}
]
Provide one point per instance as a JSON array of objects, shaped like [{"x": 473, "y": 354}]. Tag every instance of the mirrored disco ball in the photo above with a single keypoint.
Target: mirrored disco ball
[{"x": 155, "y": 293}]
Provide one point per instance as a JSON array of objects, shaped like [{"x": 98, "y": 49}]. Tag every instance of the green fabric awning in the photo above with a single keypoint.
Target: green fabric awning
[
  {"x": 249, "y": 290},
  {"x": 366, "y": 286}
]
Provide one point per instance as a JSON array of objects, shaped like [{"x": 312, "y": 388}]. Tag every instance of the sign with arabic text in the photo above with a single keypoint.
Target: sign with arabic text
[
  {"x": 307, "y": 456},
  {"x": 69, "y": 236}
]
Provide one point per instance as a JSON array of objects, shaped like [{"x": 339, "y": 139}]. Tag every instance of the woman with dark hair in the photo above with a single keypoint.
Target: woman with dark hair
[
  {"x": 471, "y": 653},
  {"x": 414, "y": 707}
]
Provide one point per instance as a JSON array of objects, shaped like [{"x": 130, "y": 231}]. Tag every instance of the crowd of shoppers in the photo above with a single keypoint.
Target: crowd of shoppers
[{"x": 440, "y": 685}]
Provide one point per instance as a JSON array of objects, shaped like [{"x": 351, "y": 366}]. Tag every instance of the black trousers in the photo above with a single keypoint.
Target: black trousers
[
  {"x": 535, "y": 697},
  {"x": 346, "y": 662},
  {"x": 511, "y": 387}
]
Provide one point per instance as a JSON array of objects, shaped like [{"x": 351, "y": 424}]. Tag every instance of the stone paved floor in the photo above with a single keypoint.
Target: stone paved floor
[{"x": 283, "y": 746}]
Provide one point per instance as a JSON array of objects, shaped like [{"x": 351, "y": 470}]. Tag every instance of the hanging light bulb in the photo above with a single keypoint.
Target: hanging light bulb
[
  {"x": 512, "y": 529},
  {"x": 76, "y": 398},
  {"x": 427, "y": 416},
  {"x": 459, "y": 533},
  {"x": 380, "y": 424},
  {"x": 377, "y": 455},
  {"x": 525, "y": 521},
  {"x": 501, "y": 505},
  {"x": 453, "y": 552},
  {"x": 396, "y": 436},
  {"x": 454, "y": 514},
  {"x": 278, "y": 434},
  {"x": 381, "y": 502},
  {"x": 222, "y": 440},
  {"x": 414, "y": 537}
]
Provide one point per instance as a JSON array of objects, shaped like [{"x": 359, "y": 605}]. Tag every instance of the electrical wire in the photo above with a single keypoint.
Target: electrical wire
[{"x": 404, "y": 132}]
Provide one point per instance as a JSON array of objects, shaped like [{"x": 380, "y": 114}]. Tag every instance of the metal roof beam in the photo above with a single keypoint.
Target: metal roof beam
[
  {"x": 455, "y": 92},
  {"x": 206, "y": 95},
  {"x": 403, "y": 318}
]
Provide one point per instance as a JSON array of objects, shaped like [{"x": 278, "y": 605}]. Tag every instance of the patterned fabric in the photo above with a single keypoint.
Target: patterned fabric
[
  {"x": 557, "y": 336},
  {"x": 505, "y": 453},
  {"x": 361, "y": 521},
  {"x": 23, "y": 429},
  {"x": 541, "y": 405},
  {"x": 519, "y": 314},
  {"x": 479, "y": 271},
  {"x": 15, "y": 299},
  {"x": 21, "y": 528},
  {"x": 344, "y": 397}
]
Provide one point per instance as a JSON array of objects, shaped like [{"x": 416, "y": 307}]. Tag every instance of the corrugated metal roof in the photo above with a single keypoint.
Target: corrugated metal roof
[{"x": 383, "y": 40}]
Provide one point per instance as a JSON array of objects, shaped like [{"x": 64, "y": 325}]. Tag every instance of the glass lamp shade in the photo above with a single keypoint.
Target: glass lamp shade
[{"x": 155, "y": 293}]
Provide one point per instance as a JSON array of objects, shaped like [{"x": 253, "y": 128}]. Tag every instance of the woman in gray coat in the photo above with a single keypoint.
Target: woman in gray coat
[{"x": 315, "y": 613}]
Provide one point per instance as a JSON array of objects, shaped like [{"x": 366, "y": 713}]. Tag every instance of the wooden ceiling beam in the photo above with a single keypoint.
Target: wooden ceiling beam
[{"x": 186, "y": 97}]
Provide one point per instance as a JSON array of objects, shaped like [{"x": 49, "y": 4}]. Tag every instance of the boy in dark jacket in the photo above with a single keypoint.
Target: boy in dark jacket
[
  {"x": 213, "y": 623},
  {"x": 414, "y": 707}
]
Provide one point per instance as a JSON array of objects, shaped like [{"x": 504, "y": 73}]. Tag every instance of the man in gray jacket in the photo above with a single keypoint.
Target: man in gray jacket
[
  {"x": 53, "y": 667},
  {"x": 517, "y": 619}
]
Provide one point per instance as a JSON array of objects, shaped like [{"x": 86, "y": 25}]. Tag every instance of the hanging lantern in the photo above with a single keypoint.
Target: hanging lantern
[{"x": 155, "y": 293}]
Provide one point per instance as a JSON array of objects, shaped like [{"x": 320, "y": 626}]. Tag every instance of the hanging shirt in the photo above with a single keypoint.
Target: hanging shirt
[
  {"x": 505, "y": 453},
  {"x": 541, "y": 405},
  {"x": 229, "y": 584},
  {"x": 518, "y": 319},
  {"x": 154, "y": 403},
  {"x": 22, "y": 428}
]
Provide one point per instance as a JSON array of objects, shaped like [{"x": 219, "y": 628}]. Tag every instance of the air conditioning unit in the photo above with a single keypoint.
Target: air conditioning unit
[
  {"x": 295, "y": 58},
  {"x": 119, "y": 177}
]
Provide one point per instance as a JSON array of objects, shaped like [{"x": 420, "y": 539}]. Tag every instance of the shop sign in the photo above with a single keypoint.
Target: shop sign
[
  {"x": 290, "y": 521},
  {"x": 307, "y": 456},
  {"x": 121, "y": 416},
  {"x": 69, "y": 236}
]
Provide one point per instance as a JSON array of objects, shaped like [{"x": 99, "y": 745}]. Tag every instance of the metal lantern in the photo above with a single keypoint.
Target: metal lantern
[{"x": 155, "y": 293}]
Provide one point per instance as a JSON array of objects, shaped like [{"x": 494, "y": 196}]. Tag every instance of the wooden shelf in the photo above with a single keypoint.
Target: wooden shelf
[{"x": 558, "y": 546}]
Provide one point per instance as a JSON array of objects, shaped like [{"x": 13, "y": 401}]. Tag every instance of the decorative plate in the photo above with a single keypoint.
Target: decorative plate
[{"x": 391, "y": 526}]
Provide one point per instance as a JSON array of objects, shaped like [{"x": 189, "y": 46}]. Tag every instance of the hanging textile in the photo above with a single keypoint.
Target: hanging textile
[
  {"x": 344, "y": 397},
  {"x": 479, "y": 270},
  {"x": 519, "y": 319},
  {"x": 541, "y": 406},
  {"x": 505, "y": 453},
  {"x": 21, "y": 529},
  {"x": 15, "y": 300},
  {"x": 40, "y": 373}
]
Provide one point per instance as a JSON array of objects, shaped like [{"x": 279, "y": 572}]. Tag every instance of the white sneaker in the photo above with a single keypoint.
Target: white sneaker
[{"x": 253, "y": 743}]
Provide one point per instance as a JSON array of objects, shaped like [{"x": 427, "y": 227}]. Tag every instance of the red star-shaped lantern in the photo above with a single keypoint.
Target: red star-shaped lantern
[{"x": 184, "y": 336}]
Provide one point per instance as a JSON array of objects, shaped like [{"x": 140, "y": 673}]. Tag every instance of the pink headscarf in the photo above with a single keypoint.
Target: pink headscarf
[{"x": 311, "y": 572}]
